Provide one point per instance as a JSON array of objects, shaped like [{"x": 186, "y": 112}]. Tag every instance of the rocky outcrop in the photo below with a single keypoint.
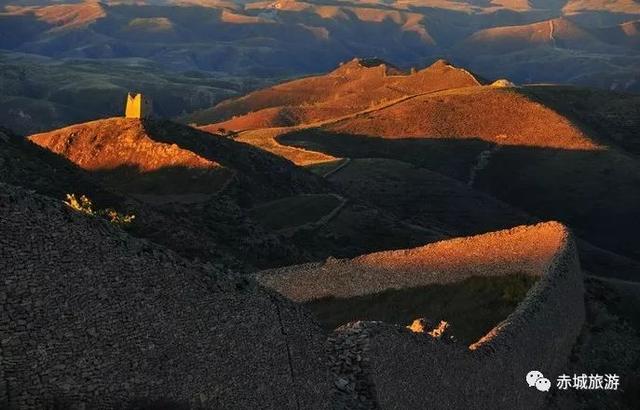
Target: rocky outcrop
[{"x": 92, "y": 318}]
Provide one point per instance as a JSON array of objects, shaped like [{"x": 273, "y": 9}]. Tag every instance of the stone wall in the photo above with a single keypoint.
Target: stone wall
[
  {"x": 91, "y": 318},
  {"x": 405, "y": 370}
]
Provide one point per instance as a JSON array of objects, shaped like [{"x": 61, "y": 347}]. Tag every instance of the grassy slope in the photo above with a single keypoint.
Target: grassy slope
[
  {"x": 337, "y": 94},
  {"x": 425, "y": 198},
  {"x": 552, "y": 165}
]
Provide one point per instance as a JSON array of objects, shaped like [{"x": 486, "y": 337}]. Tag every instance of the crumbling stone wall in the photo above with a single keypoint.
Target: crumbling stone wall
[
  {"x": 91, "y": 318},
  {"x": 406, "y": 370}
]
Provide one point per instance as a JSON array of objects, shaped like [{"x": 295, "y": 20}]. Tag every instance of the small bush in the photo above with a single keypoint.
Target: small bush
[{"x": 85, "y": 205}]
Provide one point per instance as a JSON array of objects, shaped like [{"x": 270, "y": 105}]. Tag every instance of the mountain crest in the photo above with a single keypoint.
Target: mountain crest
[{"x": 360, "y": 65}]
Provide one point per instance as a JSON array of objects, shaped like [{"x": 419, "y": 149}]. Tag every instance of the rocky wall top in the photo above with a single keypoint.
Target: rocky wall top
[
  {"x": 390, "y": 367},
  {"x": 524, "y": 249}
]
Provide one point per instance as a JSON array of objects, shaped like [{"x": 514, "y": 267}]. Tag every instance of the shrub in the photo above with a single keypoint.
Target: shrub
[{"x": 85, "y": 205}]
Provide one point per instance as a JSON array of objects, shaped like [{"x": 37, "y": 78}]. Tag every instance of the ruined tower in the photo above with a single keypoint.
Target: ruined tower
[{"x": 138, "y": 106}]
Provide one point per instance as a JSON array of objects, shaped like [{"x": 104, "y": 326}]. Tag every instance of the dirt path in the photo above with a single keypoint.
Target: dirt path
[
  {"x": 320, "y": 222},
  {"x": 346, "y": 162},
  {"x": 266, "y": 138}
]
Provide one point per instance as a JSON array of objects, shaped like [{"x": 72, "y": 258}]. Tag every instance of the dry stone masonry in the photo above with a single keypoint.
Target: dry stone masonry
[
  {"x": 391, "y": 367},
  {"x": 91, "y": 318}
]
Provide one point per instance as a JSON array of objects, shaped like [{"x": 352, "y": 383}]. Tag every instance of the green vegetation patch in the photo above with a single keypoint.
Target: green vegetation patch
[{"x": 472, "y": 307}]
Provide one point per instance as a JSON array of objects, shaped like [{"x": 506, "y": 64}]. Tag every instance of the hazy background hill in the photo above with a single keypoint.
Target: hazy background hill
[{"x": 68, "y": 61}]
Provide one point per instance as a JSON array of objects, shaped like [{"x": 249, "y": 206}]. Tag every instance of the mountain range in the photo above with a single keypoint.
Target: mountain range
[
  {"x": 212, "y": 50},
  {"x": 332, "y": 204},
  {"x": 356, "y": 173}
]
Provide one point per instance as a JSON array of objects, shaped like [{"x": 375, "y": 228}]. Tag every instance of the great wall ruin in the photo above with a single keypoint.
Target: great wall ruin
[
  {"x": 92, "y": 318},
  {"x": 390, "y": 367}
]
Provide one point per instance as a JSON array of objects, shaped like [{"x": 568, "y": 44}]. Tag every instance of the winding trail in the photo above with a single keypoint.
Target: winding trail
[
  {"x": 346, "y": 162},
  {"x": 311, "y": 226},
  {"x": 267, "y": 138}
]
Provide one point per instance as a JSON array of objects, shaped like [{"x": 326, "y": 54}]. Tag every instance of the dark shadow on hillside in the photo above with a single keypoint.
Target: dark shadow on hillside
[
  {"x": 167, "y": 181},
  {"x": 596, "y": 193},
  {"x": 218, "y": 231},
  {"x": 16, "y": 30},
  {"x": 447, "y": 156},
  {"x": 472, "y": 307},
  {"x": 610, "y": 118},
  {"x": 260, "y": 175},
  {"x": 33, "y": 167}
]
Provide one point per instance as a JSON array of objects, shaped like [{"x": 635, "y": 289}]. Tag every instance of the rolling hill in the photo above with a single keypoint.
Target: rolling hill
[
  {"x": 161, "y": 157},
  {"x": 540, "y": 149},
  {"x": 237, "y": 193},
  {"x": 212, "y": 50},
  {"x": 336, "y": 94},
  {"x": 216, "y": 231},
  {"x": 523, "y": 153},
  {"x": 557, "y": 33}
]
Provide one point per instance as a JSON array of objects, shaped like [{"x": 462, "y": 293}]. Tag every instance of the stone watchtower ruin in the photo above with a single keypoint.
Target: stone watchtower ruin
[{"x": 138, "y": 106}]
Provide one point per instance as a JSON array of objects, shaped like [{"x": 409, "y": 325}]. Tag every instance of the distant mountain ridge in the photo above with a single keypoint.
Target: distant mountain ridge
[{"x": 221, "y": 48}]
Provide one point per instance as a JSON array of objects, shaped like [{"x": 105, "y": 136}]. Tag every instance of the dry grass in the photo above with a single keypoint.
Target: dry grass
[
  {"x": 509, "y": 39},
  {"x": 294, "y": 211},
  {"x": 123, "y": 151},
  {"x": 266, "y": 139},
  {"x": 503, "y": 117},
  {"x": 337, "y": 94},
  {"x": 64, "y": 16}
]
